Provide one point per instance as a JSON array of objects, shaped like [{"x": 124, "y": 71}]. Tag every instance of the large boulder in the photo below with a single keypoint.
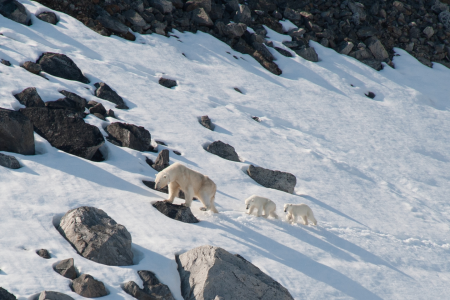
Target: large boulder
[
  {"x": 66, "y": 130},
  {"x": 71, "y": 100},
  {"x": 273, "y": 179},
  {"x": 60, "y": 65},
  {"x": 9, "y": 162},
  {"x": 5, "y": 295},
  {"x": 223, "y": 150},
  {"x": 96, "y": 236},
  {"x": 129, "y": 135},
  {"x": 16, "y": 132},
  {"x": 153, "y": 288},
  {"x": 50, "y": 295},
  {"x": 162, "y": 161},
  {"x": 30, "y": 98},
  {"x": 88, "y": 287},
  {"x": 209, "y": 272},
  {"x": 66, "y": 268},
  {"x": 177, "y": 212},
  {"x": 103, "y": 91},
  {"x": 14, "y": 10}
]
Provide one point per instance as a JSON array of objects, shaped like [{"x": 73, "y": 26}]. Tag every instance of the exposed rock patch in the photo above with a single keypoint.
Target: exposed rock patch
[
  {"x": 66, "y": 268},
  {"x": 5, "y": 295},
  {"x": 273, "y": 179},
  {"x": 129, "y": 135},
  {"x": 43, "y": 253},
  {"x": 177, "y": 212},
  {"x": 223, "y": 150},
  {"x": 48, "y": 16},
  {"x": 16, "y": 132},
  {"x": 88, "y": 287},
  {"x": 206, "y": 122},
  {"x": 30, "y": 98},
  {"x": 103, "y": 91},
  {"x": 168, "y": 83},
  {"x": 60, "y": 65},
  {"x": 153, "y": 288}
]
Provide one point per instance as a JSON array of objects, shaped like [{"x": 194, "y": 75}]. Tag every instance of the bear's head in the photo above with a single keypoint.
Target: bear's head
[
  {"x": 162, "y": 179},
  {"x": 248, "y": 202},
  {"x": 287, "y": 207}
]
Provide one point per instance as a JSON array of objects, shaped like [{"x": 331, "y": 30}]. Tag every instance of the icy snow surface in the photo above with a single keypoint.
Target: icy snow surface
[{"x": 374, "y": 171}]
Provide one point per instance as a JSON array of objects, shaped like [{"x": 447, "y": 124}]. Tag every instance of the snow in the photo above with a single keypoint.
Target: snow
[{"x": 374, "y": 171}]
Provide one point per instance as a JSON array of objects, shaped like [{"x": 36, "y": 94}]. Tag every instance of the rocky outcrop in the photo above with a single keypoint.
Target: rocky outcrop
[
  {"x": 103, "y": 91},
  {"x": 162, "y": 161},
  {"x": 43, "y": 253},
  {"x": 88, "y": 287},
  {"x": 96, "y": 236},
  {"x": 129, "y": 135},
  {"x": 153, "y": 288},
  {"x": 205, "y": 121},
  {"x": 66, "y": 268},
  {"x": 15, "y": 11},
  {"x": 30, "y": 98},
  {"x": 16, "y": 132},
  {"x": 65, "y": 130},
  {"x": 50, "y": 295},
  {"x": 209, "y": 272},
  {"x": 60, "y": 65},
  {"x": 273, "y": 179},
  {"x": 223, "y": 150},
  {"x": 5, "y": 295},
  {"x": 9, "y": 162},
  {"x": 48, "y": 16},
  {"x": 177, "y": 212}
]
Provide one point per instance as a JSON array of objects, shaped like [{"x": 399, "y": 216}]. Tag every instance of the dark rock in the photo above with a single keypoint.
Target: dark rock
[
  {"x": 153, "y": 288},
  {"x": 110, "y": 113},
  {"x": 65, "y": 130},
  {"x": 16, "y": 132},
  {"x": 223, "y": 150},
  {"x": 88, "y": 287},
  {"x": 98, "y": 156},
  {"x": 32, "y": 67},
  {"x": 14, "y": 10},
  {"x": 243, "y": 15},
  {"x": 366, "y": 32},
  {"x": 5, "y": 295},
  {"x": 283, "y": 52},
  {"x": 345, "y": 47},
  {"x": 194, "y": 4},
  {"x": 264, "y": 51},
  {"x": 60, "y": 65},
  {"x": 168, "y": 83},
  {"x": 162, "y": 161},
  {"x": 208, "y": 272},
  {"x": 176, "y": 152},
  {"x": 234, "y": 30},
  {"x": 98, "y": 108},
  {"x": 273, "y": 179},
  {"x": 43, "y": 253},
  {"x": 50, "y": 295},
  {"x": 371, "y": 95},
  {"x": 68, "y": 103},
  {"x": 72, "y": 101},
  {"x": 96, "y": 236},
  {"x": 30, "y": 98},
  {"x": 48, "y": 16},
  {"x": 206, "y": 122},
  {"x": 100, "y": 116},
  {"x": 66, "y": 268},
  {"x": 5, "y": 62},
  {"x": 373, "y": 63},
  {"x": 163, "y": 6},
  {"x": 201, "y": 18},
  {"x": 176, "y": 212},
  {"x": 113, "y": 24},
  {"x": 134, "y": 18},
  {"x": 257, "y": 119},
  {"x": 238, "y": 90},
  {"x": 129, "y": 135},
  {"x": 292, "y": 15},
  {"x": 308, "y": 54},
  {"x": 160, "y": 143},
  {"x": 9, "y": 162},
  {"x": 377, "y": 49},
  {"x": 103, "y": 91}
]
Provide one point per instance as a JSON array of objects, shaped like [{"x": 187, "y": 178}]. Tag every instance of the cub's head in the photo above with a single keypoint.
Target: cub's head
[
  {"x": 162, "y": 179},
  {"x": 248, "y": 202},
  {"x": 287, "y": 207}
]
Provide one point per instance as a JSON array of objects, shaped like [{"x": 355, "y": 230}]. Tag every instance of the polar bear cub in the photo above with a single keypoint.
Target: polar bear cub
[
  {"x": 299, "y": 210},
  {"x": 261, "y": 203},
  {"x": 192, "y": 183}
]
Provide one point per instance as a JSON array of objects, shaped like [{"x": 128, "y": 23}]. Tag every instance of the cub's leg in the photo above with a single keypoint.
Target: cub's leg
[{"x": 174, "y": 189}]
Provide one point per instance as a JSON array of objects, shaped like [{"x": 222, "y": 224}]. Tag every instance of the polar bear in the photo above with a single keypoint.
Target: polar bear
[
  {"x": 261, "y": 203},
  {"x": 296, "y": 210},
  {"x": 192, "y": 183}
]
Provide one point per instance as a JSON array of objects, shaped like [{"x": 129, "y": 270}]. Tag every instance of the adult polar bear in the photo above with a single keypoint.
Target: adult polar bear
[
  {"x": 261, "y": 203},
  {"x": 299, "y": 210},
  {"x": 192, "y": 183}
]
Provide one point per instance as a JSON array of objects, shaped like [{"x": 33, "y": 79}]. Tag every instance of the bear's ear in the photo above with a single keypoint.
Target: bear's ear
[{"x": 165, "y": 176}]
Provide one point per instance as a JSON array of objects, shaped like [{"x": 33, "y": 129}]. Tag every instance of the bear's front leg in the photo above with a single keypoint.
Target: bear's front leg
[
  {"x": 259, "y": 212},
  {"x": 250, "y": 210},
  {"x": 188, "y": 195},
  {"x": 174, "y": 189}
]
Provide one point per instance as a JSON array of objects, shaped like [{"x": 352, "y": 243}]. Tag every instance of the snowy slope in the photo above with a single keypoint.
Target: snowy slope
[{"x": 374, "y": 171}]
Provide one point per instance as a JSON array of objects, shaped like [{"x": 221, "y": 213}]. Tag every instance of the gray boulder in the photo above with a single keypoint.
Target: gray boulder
[
  {"x": 32, "y": 67},
  {"x": 162, "y": 161},
  {"x": 30, "y": 98},
  {"x": 16, "y": 132},
  {"x": 346, "y": 47},
  {"x": 134, "y": 18},
  {"x": 168, "y": 83},
  {"x": 88, "y": 287},
  {"x": 96, "y": 236},
  {"x": 292, "y": 15},
  {"x": 103, "y": 91},
  {"x": 9, "y": 162},
  {"x": 163, "y": 6},
  {"x": 5, "y": 295},
  {"x": 273, "y": 179},
  {"x": 5, "y": 62},
  {"x": 48, "y": 16},
  {"x": 377, "y": 49},
  {"x": 96, "y": 108},
  {"x": 112, "y": 24},
  {"x": 209, "y": 272},
  {"x": 234, "y": 30},
  {"x": 194, "y": 4},
  {"x": 223, "y": 150},
  {"x": 308, "y": 54},
  {"x": 50, "y": 295},
  {"x": 71, "y": 101},
  {"x": 43, "y": 253},
  {"x": 283, "y": 52},
  {"x": 201, "y": 18},
  {"x": 60, "y": 65},
  {"x": 66, "y": 268},
  {"x": 129, "y": 135},
  {"x": 264, "y": 51},
  {"x": 153, "y": 288},
  {"x": 65, "y": 130},
  {"x": 177, "y": 212},
  {"x": 243, "y": 15},
  {"x": 206, "y": 122},
  {"x": 14, "y": 10}
]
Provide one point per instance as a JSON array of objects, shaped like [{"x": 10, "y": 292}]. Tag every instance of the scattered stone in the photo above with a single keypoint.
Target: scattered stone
[
  {"x": 235, "y": 30},
  {"x": 257, "y": 119},
  {"x": 201, "y": 18},
  {"x": 177, "y": 212},
  {"x": 163, "y": 6},
  {"x": 30, "y": 98},
  {"x": 43, "y": 253},
  {"x": 208, "y": 272},
  {"x": 243, "y": 15},
  {"x": 71, "y": 100},
  {"x": 162, "y": 161},
  {"x": 223, "y": 150},
  {"x": 5, "y": 295},
  {"x": 15, "y": 11},
  {"x": 428, "y": 31},
  {"x": 5, "y": 62},
  {"x": 168, "y": 83},
  {"x": 96, "y": 236},
  {"x": 88, "y": 287},
  {"x": 134, "y": 18},
  {"x": 16, "y": 132},
  {"x": 100, "y": 116},
  {"x": 103, "y": 91},
  {"x": 66, "y": 268},
  {"x": 377, "y": 49},
  {"x": 370, "y": 95},
  {"x": 346, "y": 47},
  {"x": 176, "y": 152},
  {"x": 238, "y": 90},
  {"x": 283, "y": 52},
  {"x": 273, "y": 179},
  {"x": 308, "y": 54},
  {"x": 206, "y": 122},
  {"x": 48, "y": 16},
  {"x": 153, "y": 288},
  {"x": 60, "y": 65},
  {"x": 110, "y": 113},
  {"x": 9, "y": 162},
  {"x": 32, "y": 67},
  {"x": 113, "y": 24},
  {"x": 129, "y": 135},
  {"x": 160, "y": 143},
  {"x": 50, "y": 295},
  {"x": 97, "y": 108},
  {"x": 65, "y": 130}
]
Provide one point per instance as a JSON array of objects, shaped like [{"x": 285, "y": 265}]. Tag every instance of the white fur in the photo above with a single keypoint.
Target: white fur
[
  {"x": 299, "y": 210},
  {"x": 192, "y": 183},
  {"x": 261, "y": 203}
]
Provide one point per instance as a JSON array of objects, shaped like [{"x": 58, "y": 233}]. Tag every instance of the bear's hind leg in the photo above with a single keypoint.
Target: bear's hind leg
[
  {"x": 305, "y": 220},
  {"x": 204, "y": 199},
  {"x": 174, "y": 189},
  {"x": 188, "y": 195}
]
